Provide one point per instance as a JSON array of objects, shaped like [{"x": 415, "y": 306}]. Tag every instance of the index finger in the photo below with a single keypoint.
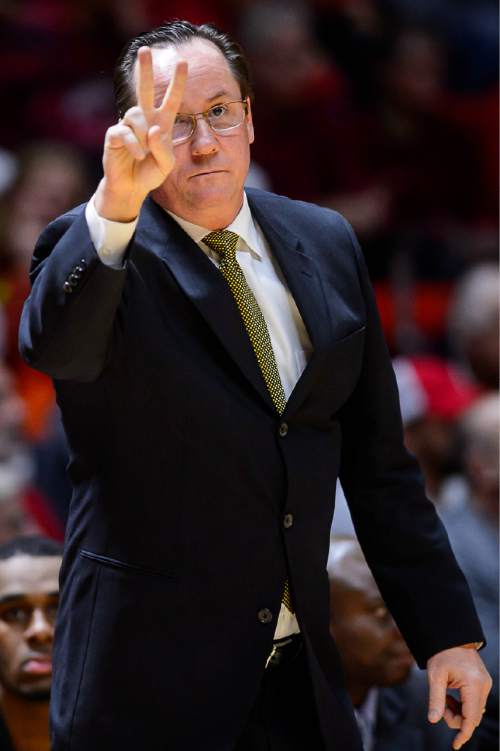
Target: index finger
[
  {"x": 173, "y": 95},
  {"x": 145, "y": 91}
]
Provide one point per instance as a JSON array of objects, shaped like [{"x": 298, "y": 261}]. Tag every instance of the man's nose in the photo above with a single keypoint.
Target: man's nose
[
  {"x": 203, "y": 141},
  {"x": 40, "y": 630}
]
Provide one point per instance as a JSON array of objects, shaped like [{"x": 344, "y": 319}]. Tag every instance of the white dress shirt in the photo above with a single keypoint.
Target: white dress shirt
[
  {"x": 289, "y": 337},
  {"x": 366, "y": 717}
]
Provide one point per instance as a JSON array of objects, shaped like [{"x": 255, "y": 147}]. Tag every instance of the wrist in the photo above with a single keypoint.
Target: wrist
[{"x": 116, "y": 206}]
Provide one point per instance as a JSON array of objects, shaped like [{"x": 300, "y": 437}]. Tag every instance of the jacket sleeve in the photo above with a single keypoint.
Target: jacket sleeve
[
  {"x": 67, "y": 320},
  {"x": 402, "y": 537}
]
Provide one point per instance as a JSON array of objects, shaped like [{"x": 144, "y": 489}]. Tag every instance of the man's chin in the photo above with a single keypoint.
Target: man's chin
[
  {"x": 397, "y": 674},
  {"x": 36, "y": 695},
  {"x": 32, "y": 691}
]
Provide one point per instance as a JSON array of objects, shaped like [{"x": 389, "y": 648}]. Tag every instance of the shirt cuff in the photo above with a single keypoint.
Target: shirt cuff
[{"x": 110, "y": 239}]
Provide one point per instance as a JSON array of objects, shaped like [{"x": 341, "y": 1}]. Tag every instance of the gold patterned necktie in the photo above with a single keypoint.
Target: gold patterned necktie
[{"x": 224, "y": 243}]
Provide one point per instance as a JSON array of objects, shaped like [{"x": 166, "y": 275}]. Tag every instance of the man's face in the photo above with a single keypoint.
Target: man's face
[
  {"x": 210, "y": 168},
  {"x": 29, "y": 595},
  {"x": 372, "y": 648}
]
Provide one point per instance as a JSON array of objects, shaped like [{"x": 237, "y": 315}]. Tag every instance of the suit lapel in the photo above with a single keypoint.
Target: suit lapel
[
  {"x": 304, "y": 282},
  {"x": 204, "y": 285}
]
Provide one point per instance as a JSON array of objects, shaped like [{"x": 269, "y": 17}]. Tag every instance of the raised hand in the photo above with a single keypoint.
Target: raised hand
[{"x": 138, "y": 153}]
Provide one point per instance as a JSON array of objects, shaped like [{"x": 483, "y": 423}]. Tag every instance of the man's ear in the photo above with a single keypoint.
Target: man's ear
[{"x": 249, "y": 121}]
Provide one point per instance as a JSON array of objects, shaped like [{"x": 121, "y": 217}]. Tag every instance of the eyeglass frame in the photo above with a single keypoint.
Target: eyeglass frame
[{"x": 195, "y": 116}]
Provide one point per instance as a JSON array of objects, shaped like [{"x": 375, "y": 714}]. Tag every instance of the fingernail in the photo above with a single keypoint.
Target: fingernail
[{"x": 433, "y": 715}]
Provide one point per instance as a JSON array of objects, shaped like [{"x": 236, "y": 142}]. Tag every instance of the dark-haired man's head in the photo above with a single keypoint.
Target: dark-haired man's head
[
  {"x": 29, "y": 595},
  {"x": 372, "y": 649},
  {"x": 176, "y": 34},
  {"x": 213, "y": 129}
]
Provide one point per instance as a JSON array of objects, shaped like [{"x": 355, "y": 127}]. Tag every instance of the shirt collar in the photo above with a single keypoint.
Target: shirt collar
[
  {"x": 368, "y": 710},
  {"x": 243, "y": 225}
]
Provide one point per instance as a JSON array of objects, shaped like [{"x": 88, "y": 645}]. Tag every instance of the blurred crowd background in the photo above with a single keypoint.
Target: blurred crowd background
[{"x": 386, "y": 110}]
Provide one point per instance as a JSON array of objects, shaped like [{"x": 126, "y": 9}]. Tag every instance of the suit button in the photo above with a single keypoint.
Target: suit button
[
  {"x": 265, "y": 615},
  {"x": 283, "y": 430},
  {"x": 83, "y": 264},
  {"x": 288, "y": 521},
  {"x": 67, "y": 287},
  {"x": 73, "y": 279}
]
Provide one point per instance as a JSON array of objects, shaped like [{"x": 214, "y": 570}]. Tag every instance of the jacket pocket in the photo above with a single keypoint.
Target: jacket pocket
[{"x": 133, "y": 568}]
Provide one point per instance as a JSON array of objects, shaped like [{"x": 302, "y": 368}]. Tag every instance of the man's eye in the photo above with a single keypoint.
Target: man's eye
[
  {"x": 381, "y": 613},
  {"x": 182, "y": 120},
  {"x": 14, "y": 615},
  {"x": 218, "y": 111}
]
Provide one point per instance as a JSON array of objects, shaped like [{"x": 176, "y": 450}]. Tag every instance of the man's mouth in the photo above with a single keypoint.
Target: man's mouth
[
  {"x": 40, "y": 665},
  {"x": 208, "y": 172}
]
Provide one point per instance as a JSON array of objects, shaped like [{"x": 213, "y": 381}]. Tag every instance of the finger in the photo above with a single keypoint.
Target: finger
[
  {"x": 136, "y": 121},
  {"x": 121, "y": 136},
  {"x": 438, "y": 680},
  {"x": 173, "y": 96},
  {"x": 471, "y": 715},
  {"x": 160, "y": 151},
  {"x": 465, "y": 733},
  {"x": 145, "y": 90}
]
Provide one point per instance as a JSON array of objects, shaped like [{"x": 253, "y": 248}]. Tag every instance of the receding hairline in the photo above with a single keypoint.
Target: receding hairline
[
  {"x": 174, "y": 34},
  {"x": 175, "y": 46}
]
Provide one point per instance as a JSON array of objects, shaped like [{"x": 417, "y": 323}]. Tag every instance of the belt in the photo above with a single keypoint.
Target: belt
[{"x": 284, "y": 651}]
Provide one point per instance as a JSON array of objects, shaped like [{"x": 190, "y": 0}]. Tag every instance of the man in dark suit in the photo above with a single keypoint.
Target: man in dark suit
[{"x": 212, "y": 385}]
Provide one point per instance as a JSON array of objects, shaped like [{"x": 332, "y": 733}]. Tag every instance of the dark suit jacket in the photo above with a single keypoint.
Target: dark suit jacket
[{"x": 176, "y": 552}]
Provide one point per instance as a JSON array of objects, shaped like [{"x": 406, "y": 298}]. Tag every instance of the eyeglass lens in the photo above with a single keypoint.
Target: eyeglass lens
[{"x": 220, "y": 117}]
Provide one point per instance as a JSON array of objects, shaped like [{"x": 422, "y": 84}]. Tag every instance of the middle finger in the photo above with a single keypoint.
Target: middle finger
[{"x": 173, "y": 96}]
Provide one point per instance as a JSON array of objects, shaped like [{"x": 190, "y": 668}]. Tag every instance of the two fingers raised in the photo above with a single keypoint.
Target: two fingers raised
[{"x": 165, "y": 113}]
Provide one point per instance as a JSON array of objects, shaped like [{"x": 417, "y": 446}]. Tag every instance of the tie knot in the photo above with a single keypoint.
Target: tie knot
[{"x": 223, "y": 241}]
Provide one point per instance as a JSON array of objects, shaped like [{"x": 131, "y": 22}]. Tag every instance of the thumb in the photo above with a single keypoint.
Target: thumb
[{"x": 437, "y": 695}]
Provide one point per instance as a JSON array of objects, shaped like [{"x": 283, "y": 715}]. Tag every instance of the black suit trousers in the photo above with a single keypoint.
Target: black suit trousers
[{"x": 284, "y": 716}]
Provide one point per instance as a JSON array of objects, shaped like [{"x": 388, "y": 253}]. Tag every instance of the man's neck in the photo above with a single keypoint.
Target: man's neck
[
  {"x": 358, "y": 692},
  {"x": 27, "y": 722}
]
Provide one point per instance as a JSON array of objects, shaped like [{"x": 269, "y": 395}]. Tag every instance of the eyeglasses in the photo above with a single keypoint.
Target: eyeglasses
[{"x": 221, "y": 118}]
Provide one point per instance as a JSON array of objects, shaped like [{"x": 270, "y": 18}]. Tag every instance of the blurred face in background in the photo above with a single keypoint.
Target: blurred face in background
[
  {"x": 414, "y": 78},
  {"x": 11, "y": 415},
  {"x": 372, "y": 649},
  {"x": 52, "y": 181},
  {"x": 29, "y": 596}
]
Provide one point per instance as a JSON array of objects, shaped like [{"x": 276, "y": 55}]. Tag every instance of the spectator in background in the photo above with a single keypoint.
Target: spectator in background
[
  {"x": 470, "y": 28},
  {"x": 353, "y": 33},
  {"x": 389, "y": 699},
  {"x": 433, "y": 394},
  {"x": 298, "y": 92},
  {"x": 54, "y": 54},
  {"x": 473, "y": 324},
  {"x": 410, "y": 180},
  {"x": 29, "y": 596},
  {"x": 23, "y": 508},
  {"x": 473, "y": 532},
  {"x": 52, "y": 177}
]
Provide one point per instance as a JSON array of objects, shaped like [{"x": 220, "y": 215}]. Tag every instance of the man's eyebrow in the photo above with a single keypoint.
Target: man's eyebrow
[
  {"x": 220, "y": 93},
  {"x": 17, "y": 596}
]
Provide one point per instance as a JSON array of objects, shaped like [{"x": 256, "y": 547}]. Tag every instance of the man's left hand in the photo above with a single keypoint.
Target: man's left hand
[{"x": 460, "y": 668}]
